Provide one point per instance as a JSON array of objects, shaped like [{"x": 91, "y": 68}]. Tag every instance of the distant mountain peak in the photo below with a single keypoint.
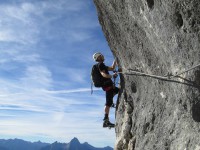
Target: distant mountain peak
[{"x": 74, "y": 141}]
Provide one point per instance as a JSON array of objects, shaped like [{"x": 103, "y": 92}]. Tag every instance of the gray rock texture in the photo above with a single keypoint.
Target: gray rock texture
[{"x": 157, "y": 37}]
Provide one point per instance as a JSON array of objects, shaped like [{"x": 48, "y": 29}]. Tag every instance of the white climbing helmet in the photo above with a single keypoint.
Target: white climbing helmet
[{"x": 96, "y": 55}]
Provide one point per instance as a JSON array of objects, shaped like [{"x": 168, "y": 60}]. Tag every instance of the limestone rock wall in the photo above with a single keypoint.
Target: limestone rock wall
[{"x": 156, "y": 37}]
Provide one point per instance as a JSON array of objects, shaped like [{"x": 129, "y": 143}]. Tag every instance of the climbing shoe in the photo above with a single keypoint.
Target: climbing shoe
[{"x": 107, "y": 123}]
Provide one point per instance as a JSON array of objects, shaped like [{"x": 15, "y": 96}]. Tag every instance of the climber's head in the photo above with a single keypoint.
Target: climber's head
[{"x": 98, "y": 57}]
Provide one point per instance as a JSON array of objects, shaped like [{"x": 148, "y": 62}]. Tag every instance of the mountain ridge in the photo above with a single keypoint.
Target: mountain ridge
[{"x": 19, "y": 144}]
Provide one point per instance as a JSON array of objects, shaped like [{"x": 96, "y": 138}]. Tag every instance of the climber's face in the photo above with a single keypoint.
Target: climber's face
[{"x": 100, "y": 58}]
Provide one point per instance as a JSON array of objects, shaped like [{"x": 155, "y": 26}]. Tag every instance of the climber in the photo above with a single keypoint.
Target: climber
[{"x": 107, "y": 85}]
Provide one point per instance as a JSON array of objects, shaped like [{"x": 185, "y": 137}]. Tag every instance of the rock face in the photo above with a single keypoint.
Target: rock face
[{"x": 155, "y": 37}]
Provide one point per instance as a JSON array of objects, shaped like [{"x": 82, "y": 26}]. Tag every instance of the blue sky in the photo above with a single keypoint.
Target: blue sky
[{"x": 46, "y": 50}]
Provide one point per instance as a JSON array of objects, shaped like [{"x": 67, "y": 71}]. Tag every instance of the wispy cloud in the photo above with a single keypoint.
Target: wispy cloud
[
  {"x": 37, "y": 77},
  {"x": 22, "y": 22},
  {"x": 17, "y": 25},
  {"x": 72, "y": 91},
  {"x": 76, "y": 75}
]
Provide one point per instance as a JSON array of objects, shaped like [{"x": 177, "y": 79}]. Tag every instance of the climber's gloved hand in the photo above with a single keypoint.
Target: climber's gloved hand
[
  {"x": 115, "y": 75},
  {"x": 119, "y": 69}
]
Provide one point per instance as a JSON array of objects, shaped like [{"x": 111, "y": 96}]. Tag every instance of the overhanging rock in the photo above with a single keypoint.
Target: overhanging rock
[{"x": 156, "y": 37}]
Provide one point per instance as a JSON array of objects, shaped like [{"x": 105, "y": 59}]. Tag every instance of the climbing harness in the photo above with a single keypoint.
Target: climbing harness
[
  {"x": 114, "y": 80},
  {"x": 167, "y": 77}
]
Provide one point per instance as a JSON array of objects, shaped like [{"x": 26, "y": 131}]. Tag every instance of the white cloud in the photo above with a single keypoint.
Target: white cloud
[
  {"x": 71, "y": 91},
  {"x": 79, "y": 36},
  {"x": 29, "y": 8},
  {"x": 37, "y": 77},
  {"x": 31, "y": 58},
  {"x": 17, "y": 25},
  {"x": 64, "y": 6},
  {"x": 76, "y": 75}
]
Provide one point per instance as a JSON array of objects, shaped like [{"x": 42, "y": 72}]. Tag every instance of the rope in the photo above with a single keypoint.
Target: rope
[
  {"x": 178, "y": 74},
  {"x": 165, "y": 78}
]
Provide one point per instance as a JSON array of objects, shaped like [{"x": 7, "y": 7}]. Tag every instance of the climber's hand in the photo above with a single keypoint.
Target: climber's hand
[{"x": 115, "y": 75}]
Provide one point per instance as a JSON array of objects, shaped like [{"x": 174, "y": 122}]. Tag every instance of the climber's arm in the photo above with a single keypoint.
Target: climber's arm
[
  {"x": 112, "y": 68},
  {"x": 105, "y": 75}
]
